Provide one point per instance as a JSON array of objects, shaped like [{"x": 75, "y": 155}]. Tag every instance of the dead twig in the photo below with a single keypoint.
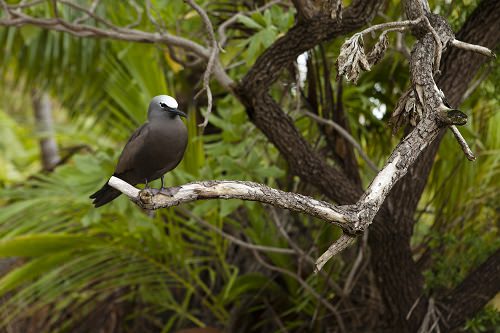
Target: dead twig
[
  {"x": 345, "y": 135},
  {"x": 214, "y": 51},
  {"x": 461, "y": 141},
  {"x": 306, "y": 287}
]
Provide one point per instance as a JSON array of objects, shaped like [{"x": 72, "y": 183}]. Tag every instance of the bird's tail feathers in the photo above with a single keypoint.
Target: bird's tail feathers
[{"x": 104, "y": 195}]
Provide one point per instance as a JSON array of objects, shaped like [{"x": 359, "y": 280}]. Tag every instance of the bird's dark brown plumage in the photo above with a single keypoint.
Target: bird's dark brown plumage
[{"x": 153, "y": 149}]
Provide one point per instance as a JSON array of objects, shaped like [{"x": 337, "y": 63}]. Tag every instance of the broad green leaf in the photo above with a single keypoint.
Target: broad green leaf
[
  {"x": 40, "y": 244},
  {"x": 248, "y": 22},
  {"x": 31, "y": 270}
]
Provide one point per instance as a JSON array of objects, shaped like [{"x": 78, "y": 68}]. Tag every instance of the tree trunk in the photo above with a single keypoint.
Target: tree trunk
[{"x": 42, "y": 108}]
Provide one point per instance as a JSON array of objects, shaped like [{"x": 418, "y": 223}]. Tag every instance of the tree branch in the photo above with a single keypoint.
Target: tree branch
[
  {"x": 19, "y": 19},
  {"x": 173, "y": 196},
  {"x": 345, "y": 135},
  {"x": 214, "y": 51},
  {"x": 474, "y": 48},
  {"x": 480, "y": 286}
]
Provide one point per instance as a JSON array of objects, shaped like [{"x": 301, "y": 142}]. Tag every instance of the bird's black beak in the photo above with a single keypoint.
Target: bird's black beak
[{"x": 179, "y": 113}]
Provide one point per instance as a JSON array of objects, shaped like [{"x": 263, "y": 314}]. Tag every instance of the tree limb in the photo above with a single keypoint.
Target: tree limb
[
  {"x": 480, "y": 286},
  {"x": 173, "y": 196},
  {"x": 345, "y": 135},
  {"x": 16, "y": 18},
  {"x": 214, "y": 51}
]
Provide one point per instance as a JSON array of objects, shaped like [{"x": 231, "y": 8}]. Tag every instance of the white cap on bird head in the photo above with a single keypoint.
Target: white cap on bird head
[{"x": 169, "y": 100}]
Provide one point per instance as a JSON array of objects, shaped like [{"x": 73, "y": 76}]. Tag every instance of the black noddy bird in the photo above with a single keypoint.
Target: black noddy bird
[{"x": 154, "y": 149}]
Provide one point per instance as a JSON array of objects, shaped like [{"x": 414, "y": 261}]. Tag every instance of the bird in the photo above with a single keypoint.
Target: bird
[{"x": 154, "y": 149}]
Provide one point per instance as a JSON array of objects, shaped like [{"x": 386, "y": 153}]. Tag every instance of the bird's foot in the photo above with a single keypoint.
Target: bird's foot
[{"x": 170, "y": 191}]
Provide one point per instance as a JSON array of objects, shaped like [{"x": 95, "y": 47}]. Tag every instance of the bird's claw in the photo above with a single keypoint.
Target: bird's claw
[{"x": 170, "y": 191}]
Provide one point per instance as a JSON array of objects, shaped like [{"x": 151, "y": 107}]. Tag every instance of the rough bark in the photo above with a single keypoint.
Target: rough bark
[
  {"x": 399, "y": 279},
  {"x": 267, "y": 115},
  {"x": 473, "y": 293}
]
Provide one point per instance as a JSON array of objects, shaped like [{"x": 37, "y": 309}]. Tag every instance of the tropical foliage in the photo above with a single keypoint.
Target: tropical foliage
[{"x": 181, "y": 267}]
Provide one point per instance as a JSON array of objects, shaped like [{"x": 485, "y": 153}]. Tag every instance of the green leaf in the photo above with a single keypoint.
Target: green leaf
[
  {"x": 249, "y": 23},
  {"x": 41, "y": 244},
  {"x": 245, "y": 284},
  {"x": 31, "y": 270}
]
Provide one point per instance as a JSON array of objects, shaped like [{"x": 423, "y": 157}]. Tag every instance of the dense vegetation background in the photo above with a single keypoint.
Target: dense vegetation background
[{"x": 69, "y": 267}]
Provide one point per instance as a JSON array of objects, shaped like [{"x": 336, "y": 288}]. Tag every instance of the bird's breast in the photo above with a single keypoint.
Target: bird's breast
[{"x": 168, "y": 141}]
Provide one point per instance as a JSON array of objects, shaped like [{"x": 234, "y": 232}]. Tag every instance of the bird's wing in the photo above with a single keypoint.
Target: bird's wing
[{"x": 133, "y": 145}]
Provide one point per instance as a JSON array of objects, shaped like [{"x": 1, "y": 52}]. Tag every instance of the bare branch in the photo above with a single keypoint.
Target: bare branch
[
  {"x": 214, "y": 51},
  {"x": 473, "y": 86},
  {"x": 345, "y": 135},
  {"x": 5, "y": 8},
  {"x": 465, "y": 147},
  {"x": 349, "y": 283},
  {"x": 138, "y": 11},
  {"x": 117, "y": 33},
  {"x": 340, "y": 245},
  {"x": 234, "y": 239},
  {"x": 439, "y": 46},
  {"x": 276, "y": 219},
  {"x": 306, "y": 287},
  {"x": 114, "y": 32},
  {"x": 89, "y": 13},
  {"x": 174, "y": 196},
  {"x": 23, "y": 4},
  {"x": 92, "y": 9},
  {"x": 474, "y": 48},
  {"x": 391, "y": 25}
]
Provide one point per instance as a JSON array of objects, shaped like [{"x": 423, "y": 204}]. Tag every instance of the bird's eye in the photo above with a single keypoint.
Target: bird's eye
[{"x": 163, "y": 105}]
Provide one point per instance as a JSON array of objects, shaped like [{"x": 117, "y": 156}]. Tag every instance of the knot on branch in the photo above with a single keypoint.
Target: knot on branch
[
  {"x": 146, "y": 198},
  {"x": 452, "y": 117}
]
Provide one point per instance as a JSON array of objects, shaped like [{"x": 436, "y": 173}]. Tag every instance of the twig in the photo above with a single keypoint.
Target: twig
[
  {"x": 173, "y": 55},
  {"x": 276, "y": 317},
  {"x": 306, "y": 287},
  {"x": 465, "y": 147},
  {"x": 401, "y": 46},
  {"x": 151, "y": 18},
  {"x": 85, "y": 16},
  {"x": 340, "y": 245},
  {"x": 5, "y": 8},
  {"x": 476, "y": 83},
  {"x": 138, "y": 10},
  {"x": 89, "y": 13},
  {"x": 117, "y": 33},
  {"x": 357, "y": 262},
  {"x": 439, "y": 46},
  {"x": 432, "y": 314},
  {"x": 26, "y": 5},
  {"x": 345, "y": 135},
  {"x": 234, "y": 239},
  {"x": 276, "y": 219},
  {"x": 413, "y": 307},
  {"x": 214, "y": 51},
  {"x": 387, "y": 25},
  {"x": 474, "y": 48},
  {"x": 391, "y": 26}
]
